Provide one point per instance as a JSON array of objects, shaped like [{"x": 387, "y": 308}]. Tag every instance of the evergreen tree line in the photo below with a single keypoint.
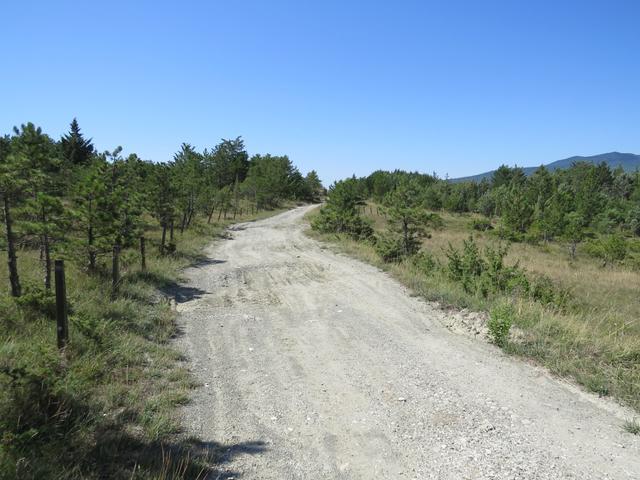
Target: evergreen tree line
[
  {"x": 585, "y": 202},
  {"x": 65, "y": 197}
]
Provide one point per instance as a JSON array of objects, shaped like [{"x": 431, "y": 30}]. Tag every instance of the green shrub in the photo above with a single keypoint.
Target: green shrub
[
  {"x": 39, "y": 403},
  {"x": 390, "y": 247},
  {"x": 532, "y": 237},
  {"x": 10, "y": 315},
  {"x": 425, "y": 262},
  {"x": 340, "y": 213},
  {"x": 544, "y": 290},
  {"x": 37, "y": 301},
  {"x": 609, "y": 248},
  {"x": 333, "y": 221},
  {"x": 486, "y": 273},
  {"x": 505, "y": 233},
  {"x": 454, "y": 263},
  {"x": 500, "y": 277},
  {"x": 481, "y": 224},
  {"x": 466, "y": 266},
  {"x": 500, "y": 320}
]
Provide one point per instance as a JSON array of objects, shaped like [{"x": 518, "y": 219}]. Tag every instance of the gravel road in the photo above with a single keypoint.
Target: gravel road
[{"x": 315, "y": 365}]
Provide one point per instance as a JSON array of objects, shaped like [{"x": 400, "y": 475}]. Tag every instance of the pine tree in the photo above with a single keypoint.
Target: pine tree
[
  {"x": 341, "y": 211},
  {"x": 43, "y": 213},
  {"x": 11, "y": 187},
  {"x": 313, "y": 186},
  {"x": 408, "y": 219},
  {"x": 516, "y": 210},
  {"x": 89, "y": 211},
  {"x": 163, "y": 201},
  {"x": 76, "y": 150},
  {"x": 188, "y": 178},
  {"x": 574, "y": 231}
]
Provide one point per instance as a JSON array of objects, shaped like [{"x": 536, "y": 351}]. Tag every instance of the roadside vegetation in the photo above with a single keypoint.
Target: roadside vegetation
[
  {"x": 104, "y": 406},
  {"x": 553, "y": 259}
]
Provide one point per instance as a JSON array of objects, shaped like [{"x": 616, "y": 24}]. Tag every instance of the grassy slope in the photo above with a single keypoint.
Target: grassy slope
[
  {"x": 596, "y": 341},
  {"x": 108, "y": 406}
]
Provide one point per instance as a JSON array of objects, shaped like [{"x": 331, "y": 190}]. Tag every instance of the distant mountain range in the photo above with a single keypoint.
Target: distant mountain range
[{"x": 628, "y": 161}]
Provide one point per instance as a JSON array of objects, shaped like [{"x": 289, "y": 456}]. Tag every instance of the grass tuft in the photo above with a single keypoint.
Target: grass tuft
[{"x": 632, "y": 426}]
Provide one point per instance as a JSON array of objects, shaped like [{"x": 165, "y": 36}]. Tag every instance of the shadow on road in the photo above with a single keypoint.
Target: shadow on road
[
  {"x": 203, "y": 262},
  {"x": 185, "y": 459},
  {"x": 183, "y": 293}
]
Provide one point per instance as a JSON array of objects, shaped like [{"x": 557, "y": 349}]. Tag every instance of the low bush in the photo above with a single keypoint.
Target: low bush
[
  {"x": 609, "y": 248},
  {"x": 341, "y": 212},
  {"x": 543, "y": 290},
  {"x": 507, "y": 234},
  {"x": 426, "y": 262},
  {"x": 390, "y": 247},
  {"x": 37, "y": 301},
  {"x": 501, "y": 318},
  {"x": 331, "y": 221},
  {"x": 481, "y": 224},
  {"x": 485, "y": 273}
]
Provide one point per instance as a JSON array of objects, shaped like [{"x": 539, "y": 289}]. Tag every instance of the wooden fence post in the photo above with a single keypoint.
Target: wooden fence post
[
  {"x": 61, "y": 305},
  {"x": 115, "y": 271},
  {"x": 143, "y": 254}
]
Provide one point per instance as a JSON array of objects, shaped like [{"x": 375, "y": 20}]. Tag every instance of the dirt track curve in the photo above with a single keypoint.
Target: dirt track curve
[{"x": 315, "y": 365}]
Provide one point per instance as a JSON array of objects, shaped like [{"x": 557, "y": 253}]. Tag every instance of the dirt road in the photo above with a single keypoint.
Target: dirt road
[{"x": 315, "y": 365}]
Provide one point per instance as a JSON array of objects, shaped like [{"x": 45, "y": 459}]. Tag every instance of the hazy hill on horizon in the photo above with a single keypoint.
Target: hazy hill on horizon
[{"x": 630, "y": 162}]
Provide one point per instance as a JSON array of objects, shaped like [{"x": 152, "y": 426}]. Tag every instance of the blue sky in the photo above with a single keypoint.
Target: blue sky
[{"x": 455, "y": 87}]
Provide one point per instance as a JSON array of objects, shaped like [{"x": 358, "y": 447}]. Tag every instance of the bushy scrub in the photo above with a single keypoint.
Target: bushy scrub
[
  {"x": 609, "y": 248},
  {"x": 79, "y": 413},
  {"x": 426, "y": 262},
  {"x": 481, "y": 224},
  {"x": 37, "y": 301},
  {"x": 485, "y": 273},
  {"x": 330, "y": 220},
  {"x": 391, "y": 247},
  {"x": 340, "y": 213},
  {"x": 39, "y": 402},
  {"x": 501, "y": 319},
  {"x": 543, "y": 290},
  {"x": 481, "y": 273}
]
